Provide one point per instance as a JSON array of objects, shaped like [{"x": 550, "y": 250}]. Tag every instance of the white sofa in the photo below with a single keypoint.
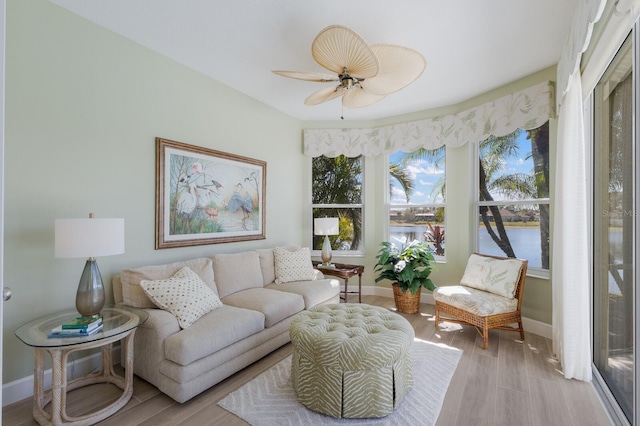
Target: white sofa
[{"x": 252, "y": 322}]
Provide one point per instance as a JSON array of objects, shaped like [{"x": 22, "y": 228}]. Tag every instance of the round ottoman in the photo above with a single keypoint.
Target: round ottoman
[{"x": 351, "y": 360}]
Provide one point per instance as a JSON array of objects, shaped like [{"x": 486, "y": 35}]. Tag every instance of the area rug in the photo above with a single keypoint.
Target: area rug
[{"x": 270, "y": 400}]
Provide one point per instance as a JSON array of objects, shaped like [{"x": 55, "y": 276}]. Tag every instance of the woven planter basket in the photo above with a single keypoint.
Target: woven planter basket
[{"x": 406, "y": 302}]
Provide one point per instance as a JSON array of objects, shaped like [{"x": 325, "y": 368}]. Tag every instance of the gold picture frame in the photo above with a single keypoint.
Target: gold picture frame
[{"x": 204, "y": 196}]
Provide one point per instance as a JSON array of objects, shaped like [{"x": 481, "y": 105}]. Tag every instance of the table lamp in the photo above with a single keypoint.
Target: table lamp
[
  {"x": 89, "y": 238},
  {"x": 326, "y": 226}
]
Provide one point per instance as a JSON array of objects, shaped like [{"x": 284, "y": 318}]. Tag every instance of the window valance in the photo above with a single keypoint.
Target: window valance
[{"x": 525, "y": 109}]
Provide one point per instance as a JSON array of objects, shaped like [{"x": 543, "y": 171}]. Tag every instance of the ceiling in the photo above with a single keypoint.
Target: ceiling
[{"x": 471, "y": 46}]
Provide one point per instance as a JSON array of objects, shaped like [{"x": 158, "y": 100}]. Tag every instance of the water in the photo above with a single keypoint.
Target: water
[{"x": 524, "y": 241}]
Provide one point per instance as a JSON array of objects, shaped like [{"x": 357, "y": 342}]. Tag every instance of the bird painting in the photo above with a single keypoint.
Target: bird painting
[{"x": 240, "y": 200}]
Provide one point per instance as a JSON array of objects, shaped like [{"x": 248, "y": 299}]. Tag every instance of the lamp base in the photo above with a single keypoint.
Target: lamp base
[
  {"x": 326, "y": 253},
  {"x": 90, "y": 295}
]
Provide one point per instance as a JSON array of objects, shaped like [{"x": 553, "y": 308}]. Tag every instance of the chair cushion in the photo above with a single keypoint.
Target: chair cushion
[
  {"x": 293, "y": 265},
  {"x": 185, "y": 295},
  {"x": 478, "y": 302},
  {"x": 498, "y": 276}
]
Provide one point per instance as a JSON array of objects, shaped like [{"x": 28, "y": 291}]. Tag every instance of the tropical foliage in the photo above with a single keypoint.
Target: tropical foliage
[
  {"x": 409, "y": 266},
  {"x": 337, "y": 184},
  {"x": 515, "y": 186}
]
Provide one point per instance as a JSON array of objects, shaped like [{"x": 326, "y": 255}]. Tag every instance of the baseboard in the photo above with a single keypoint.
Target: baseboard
[
  {"x": 530, "y": 325},
  {"x": 23, "y": 388}
]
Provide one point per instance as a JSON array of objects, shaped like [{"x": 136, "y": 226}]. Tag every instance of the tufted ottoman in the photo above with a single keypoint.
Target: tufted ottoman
[{"x": 351, "y": 360}]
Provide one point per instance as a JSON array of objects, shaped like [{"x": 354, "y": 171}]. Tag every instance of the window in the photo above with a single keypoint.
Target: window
[
  {"x": 615, "y": 230},
  {"x": 417, "y": 198},
  {"x": 513, "y": 196},
  {"x": 337, "y": 192}
]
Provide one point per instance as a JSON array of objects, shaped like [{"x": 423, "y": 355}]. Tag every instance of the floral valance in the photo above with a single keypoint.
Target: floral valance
[{"x": 526, "y": 109}]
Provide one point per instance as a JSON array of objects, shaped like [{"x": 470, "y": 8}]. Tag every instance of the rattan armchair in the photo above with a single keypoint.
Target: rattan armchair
[{"x": 489, "y": 295}]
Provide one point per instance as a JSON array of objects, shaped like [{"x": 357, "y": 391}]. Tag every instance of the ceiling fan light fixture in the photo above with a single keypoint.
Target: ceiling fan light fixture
[{"x": 366, "y": 74}]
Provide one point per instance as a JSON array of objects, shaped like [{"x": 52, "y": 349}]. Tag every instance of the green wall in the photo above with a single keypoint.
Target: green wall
[{"x": 83, "y": 108}]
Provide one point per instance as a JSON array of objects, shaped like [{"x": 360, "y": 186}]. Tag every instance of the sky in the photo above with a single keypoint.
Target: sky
[{"x": 426, "y": 176}]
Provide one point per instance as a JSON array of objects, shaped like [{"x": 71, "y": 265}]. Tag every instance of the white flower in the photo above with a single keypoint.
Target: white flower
[{"x": 399, "y": 267}]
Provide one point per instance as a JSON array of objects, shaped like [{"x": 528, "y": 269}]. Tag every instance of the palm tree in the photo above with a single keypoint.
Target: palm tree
[
  {"x": 399, "y": 171},
  {"x": 339, "y": 181},
  {"x": 493, "y": 151},
  {"x": 402, "y": 176}
]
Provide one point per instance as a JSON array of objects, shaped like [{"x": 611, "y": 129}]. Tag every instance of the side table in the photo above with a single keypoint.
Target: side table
[
  {"x": 344, "y": 271},
  {"x": 119, "y": 323}
]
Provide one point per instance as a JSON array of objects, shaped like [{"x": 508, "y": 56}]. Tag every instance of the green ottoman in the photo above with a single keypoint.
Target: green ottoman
[{"x": 351, "y": 360}]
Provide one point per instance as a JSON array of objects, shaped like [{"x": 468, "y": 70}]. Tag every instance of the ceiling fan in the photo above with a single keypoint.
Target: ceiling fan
[{"x": 365, "y": 73}]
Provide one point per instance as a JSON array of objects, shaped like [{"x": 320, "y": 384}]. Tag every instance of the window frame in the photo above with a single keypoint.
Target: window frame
[
  {"x": 474, "y": 156},
  {"x": 338, "y": 253},
  {"x": 389, "y": 206}
]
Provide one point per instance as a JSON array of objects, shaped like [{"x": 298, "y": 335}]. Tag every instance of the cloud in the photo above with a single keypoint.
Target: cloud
[
  {"x": 430, "y": 169},
  {"x": 398, "y": 196}
]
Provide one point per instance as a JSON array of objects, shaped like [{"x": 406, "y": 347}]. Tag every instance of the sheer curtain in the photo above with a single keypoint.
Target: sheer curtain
[
  {"x": 571, "y": 269},
  {"x": 570, "y": 273}
]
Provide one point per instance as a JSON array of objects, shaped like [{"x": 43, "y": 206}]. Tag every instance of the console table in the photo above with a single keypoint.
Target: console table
[
  {"x": 344, "y": 271},
  {"x": 119, "y": 323}
]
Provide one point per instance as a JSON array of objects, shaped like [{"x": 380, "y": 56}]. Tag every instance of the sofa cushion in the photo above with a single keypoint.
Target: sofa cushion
[
  {"x": 267, "y": 263},
  {"x": 312, "y": 292},
  {"x": 132, "y": 293},
  {"x": 185, "y": 295},
  {"x": 478, "y": 302},
  {"x": 212, "y": 332},
  {"x": 293, "y": 265},
  {"x": 275, "y": 305},
  {"x": 236, "y": 272},
  {"x": 498, "y": 276}
]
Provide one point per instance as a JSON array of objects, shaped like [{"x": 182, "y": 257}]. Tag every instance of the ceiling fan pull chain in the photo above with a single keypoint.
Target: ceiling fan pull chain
[{"x": 342, "y": 111}]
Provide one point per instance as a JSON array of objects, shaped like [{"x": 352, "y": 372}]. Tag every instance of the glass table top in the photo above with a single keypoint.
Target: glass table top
[{"x": 116, "y": 319}]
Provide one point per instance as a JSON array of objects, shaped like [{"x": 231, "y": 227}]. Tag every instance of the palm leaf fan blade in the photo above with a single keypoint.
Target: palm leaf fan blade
[
  {"x": 338, "y": 47},
  {"x": 358, "y": 98},
  {"x": 308, "y": 76},
  {"x": 399, "y": 67},
  {"x": 323, "y": 95}
]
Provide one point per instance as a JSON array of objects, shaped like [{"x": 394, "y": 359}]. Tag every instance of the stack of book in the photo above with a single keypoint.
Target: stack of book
[{"x": 78, "y": 327}]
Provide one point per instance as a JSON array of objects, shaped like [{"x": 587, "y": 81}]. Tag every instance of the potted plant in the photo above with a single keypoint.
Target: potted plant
[{"x": 409, "y": 268}]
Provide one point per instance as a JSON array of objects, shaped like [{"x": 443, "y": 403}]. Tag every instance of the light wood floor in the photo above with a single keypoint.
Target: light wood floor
[{"x": 511, "y": 383}]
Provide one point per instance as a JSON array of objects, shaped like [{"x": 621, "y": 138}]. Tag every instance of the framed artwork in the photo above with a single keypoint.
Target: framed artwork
[{"x": 205, "y": 196}]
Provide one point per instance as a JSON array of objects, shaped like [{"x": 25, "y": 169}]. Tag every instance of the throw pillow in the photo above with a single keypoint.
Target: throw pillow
[
  {"x": 185, "y": 295},
  {"x": 293, "y": 265},
  {"x": 132, "y": 293},
  {"x": 497, "y": 276}
]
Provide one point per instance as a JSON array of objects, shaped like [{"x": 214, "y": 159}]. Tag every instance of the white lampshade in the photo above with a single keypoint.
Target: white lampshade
[
  {"x": 89, "y": 237},
  {"x": 325, "y": 226}
]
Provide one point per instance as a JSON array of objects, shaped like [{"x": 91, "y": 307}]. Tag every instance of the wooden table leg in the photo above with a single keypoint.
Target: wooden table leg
[
  {"x": 359, "y": 288},
  {"x": 346, "y": 287}
]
